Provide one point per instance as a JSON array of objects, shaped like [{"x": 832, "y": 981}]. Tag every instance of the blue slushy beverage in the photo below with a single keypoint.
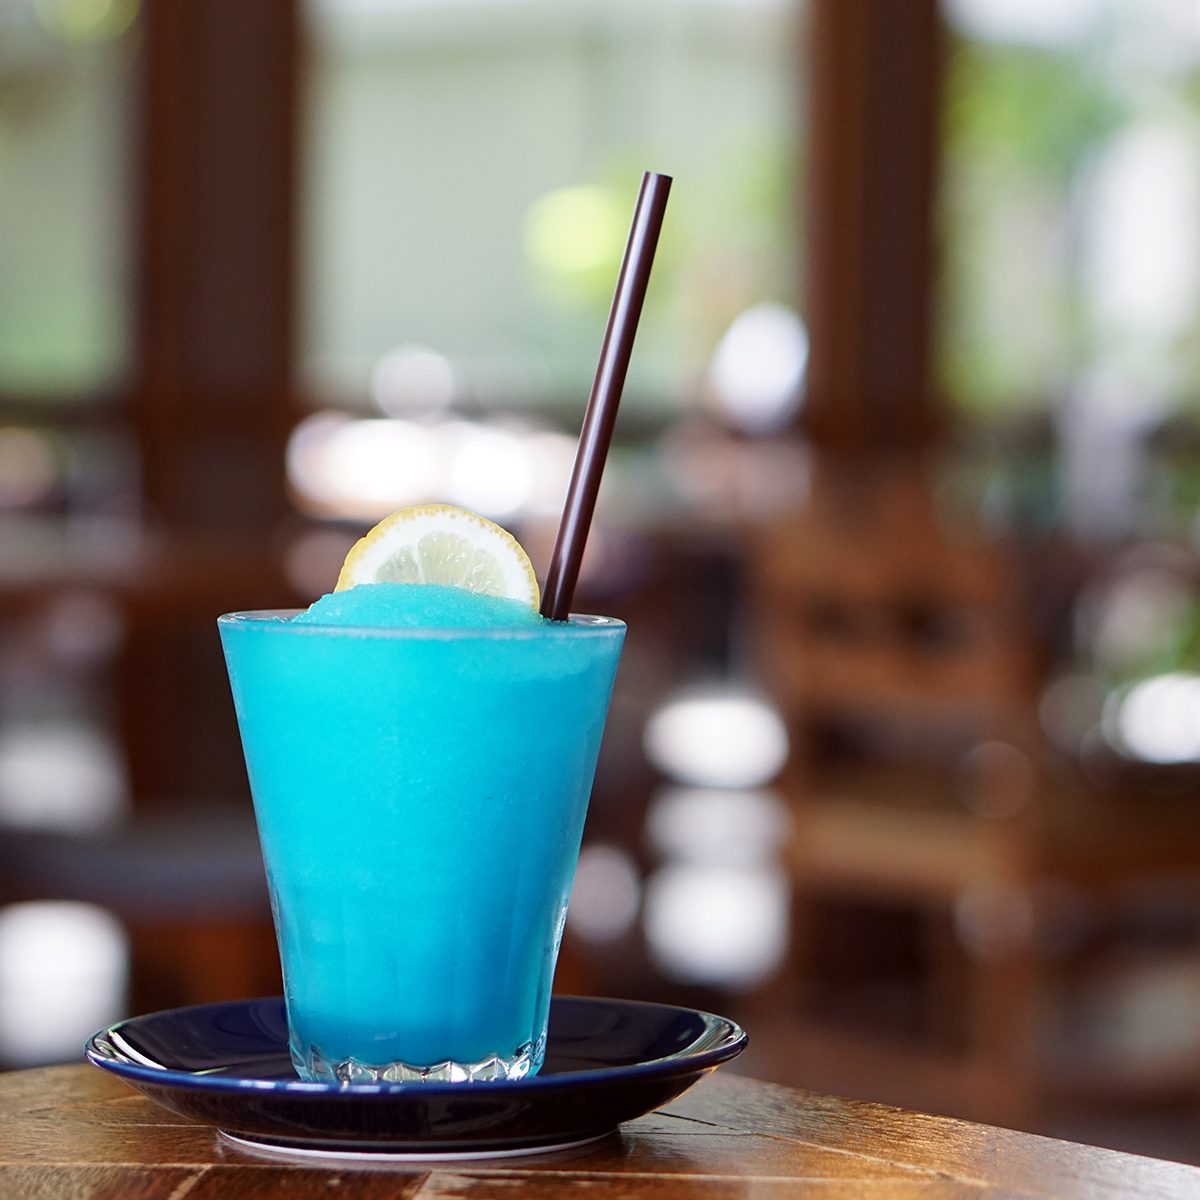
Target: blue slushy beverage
[{"x": 421, "y": 759}]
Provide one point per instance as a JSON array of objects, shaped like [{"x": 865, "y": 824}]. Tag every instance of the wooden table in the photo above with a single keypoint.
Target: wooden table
[{"x": 75, "y": 1132}]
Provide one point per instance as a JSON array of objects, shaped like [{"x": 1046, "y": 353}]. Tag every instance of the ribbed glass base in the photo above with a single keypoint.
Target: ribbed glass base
[{"x": 316, "y": 1067}]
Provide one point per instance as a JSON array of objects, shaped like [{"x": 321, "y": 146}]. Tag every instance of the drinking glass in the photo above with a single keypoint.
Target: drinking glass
[{"x": 420, "y": 796}]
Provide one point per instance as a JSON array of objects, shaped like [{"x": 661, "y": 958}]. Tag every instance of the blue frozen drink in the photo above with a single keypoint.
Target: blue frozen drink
[{"x": 420, "y": 758}]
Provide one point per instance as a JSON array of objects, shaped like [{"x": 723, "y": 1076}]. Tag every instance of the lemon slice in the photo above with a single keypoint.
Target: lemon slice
[{"x": 438, "y": 543}]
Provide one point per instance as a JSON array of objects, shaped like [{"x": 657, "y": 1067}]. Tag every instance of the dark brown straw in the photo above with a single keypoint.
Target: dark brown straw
[{"x": 601, "y": 415}]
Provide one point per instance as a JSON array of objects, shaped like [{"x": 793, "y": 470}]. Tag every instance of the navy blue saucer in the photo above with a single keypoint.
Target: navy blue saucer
[{"x": 607, "y": 1061}]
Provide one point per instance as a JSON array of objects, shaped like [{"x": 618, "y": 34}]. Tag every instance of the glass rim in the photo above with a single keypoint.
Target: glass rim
[{"x": 279, "y": 620}]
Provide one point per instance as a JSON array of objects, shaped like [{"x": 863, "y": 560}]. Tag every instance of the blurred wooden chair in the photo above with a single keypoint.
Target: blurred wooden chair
[
  {"x": 902, "y": 659},
  {"x": 929, "y": 812}
]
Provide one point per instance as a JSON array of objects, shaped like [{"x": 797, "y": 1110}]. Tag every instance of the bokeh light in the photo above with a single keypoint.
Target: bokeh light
[
  {"x": 719, "y": 737},
  {"x": 362, "y": 469},
  {"x": 1157, "y": 720},
  {"x": 63, "y": 973},
  {"x": 1129, "y": 621},
  {"x": 575, "y": 230},
  {"x": 1069, "y": 708},
  {"x": 757, "y": 371},
  {"x": 60, "y": 775},
  {"x": 992, "y": 920},
  {"x": 607, "y": 894},
  {"x": 731, "y": 827},
  {"x": 491, "y": 471},
  {"x": 412, "y": 380},
  {"x": 366, "y": 468},
  {"x": 722, "y": 926},
  {"x": 997, "y": 780},
  {"x": 29, "y": 470}
]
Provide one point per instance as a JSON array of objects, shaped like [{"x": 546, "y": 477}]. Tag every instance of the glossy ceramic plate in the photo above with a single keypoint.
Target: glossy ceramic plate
[{"x": 607, "y": 1061}]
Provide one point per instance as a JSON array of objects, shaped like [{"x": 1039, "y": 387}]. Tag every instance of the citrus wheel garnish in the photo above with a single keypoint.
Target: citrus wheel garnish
[{"x": 438, "y": 543}]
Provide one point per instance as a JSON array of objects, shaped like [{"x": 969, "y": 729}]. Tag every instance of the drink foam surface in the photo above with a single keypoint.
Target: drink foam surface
[{"x": 418, "y": 606}]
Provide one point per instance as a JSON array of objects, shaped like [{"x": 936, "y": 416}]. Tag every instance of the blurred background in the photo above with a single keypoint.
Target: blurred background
[{"x": 904, "y": 758}]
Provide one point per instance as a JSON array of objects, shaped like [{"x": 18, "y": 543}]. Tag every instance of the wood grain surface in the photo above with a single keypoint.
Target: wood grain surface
[{"x": 74, "y": 1132}]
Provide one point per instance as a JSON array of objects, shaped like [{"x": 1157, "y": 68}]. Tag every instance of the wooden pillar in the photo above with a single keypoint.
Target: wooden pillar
[
  {"x": 218, "y": 122},
  {"x": 874, "y": 70},
  {"x": 211, "y": 394}
]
